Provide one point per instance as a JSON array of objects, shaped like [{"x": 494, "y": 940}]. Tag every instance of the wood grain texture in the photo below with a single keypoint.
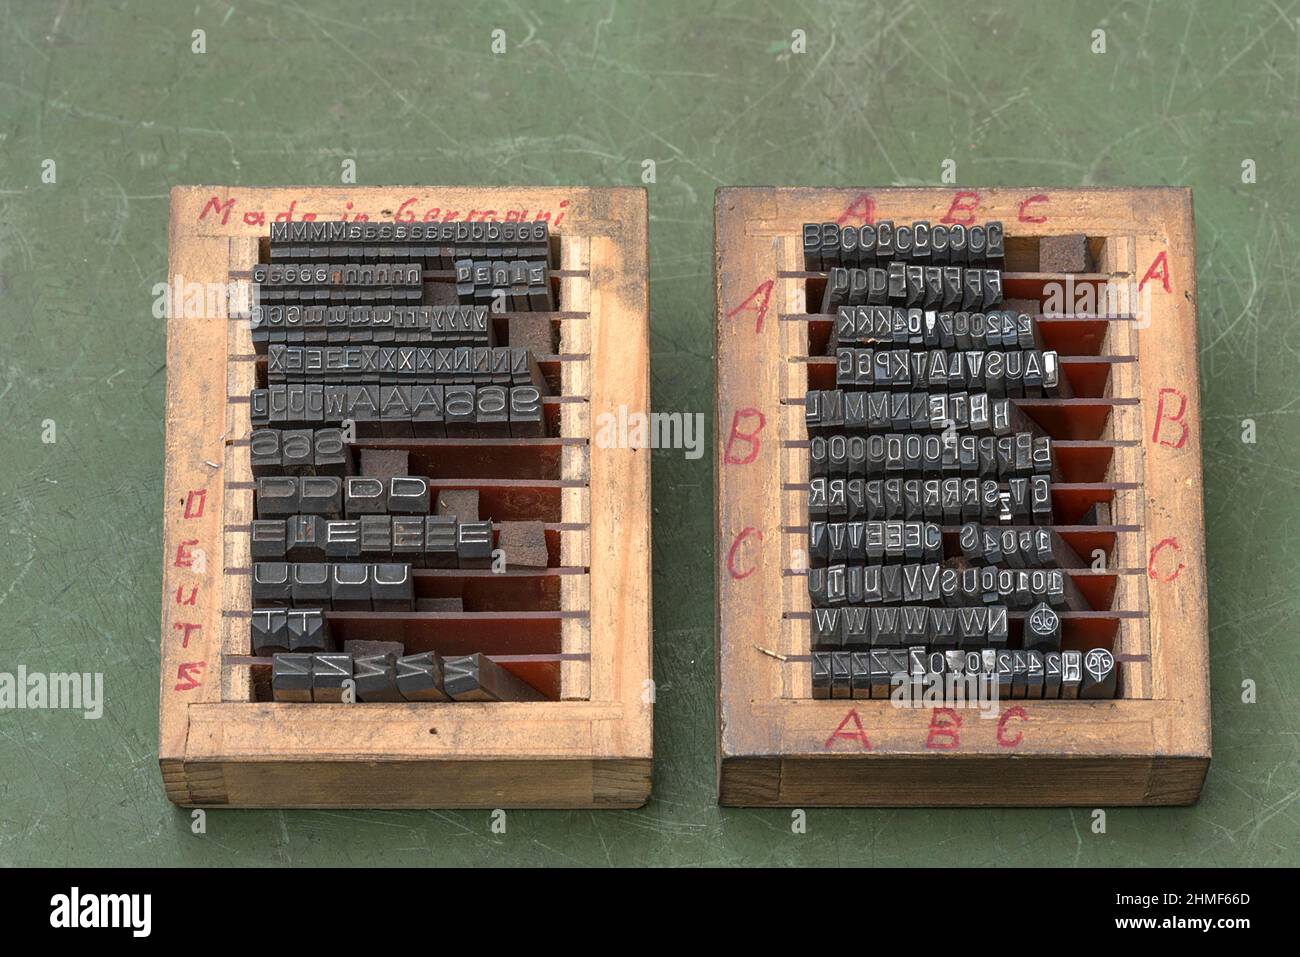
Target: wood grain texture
[
  {"x": 192, "y": 499},
  {"x": 776, "y": 745},
  {"x": 592, "y": 749},
  {"x": 575, "y": 420}
]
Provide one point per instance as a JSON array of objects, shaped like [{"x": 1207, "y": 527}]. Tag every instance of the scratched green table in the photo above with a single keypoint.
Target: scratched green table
[{"x": 112, "y": 103}]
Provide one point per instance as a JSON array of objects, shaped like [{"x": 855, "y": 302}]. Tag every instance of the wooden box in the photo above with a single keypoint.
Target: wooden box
[
  {"x": 1130, "y": 438},
  {"x": 578, "y": 629}
]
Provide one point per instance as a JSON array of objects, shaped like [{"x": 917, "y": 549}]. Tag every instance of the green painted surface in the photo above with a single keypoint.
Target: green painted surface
[{"x": 112, "y": 93}]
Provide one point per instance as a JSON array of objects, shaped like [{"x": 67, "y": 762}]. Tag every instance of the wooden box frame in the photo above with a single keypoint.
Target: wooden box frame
[
  {"x": 776, "y": 746},
  {"x": 592, "y": 748}
]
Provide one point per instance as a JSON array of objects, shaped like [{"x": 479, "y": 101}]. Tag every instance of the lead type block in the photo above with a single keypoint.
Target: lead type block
[
  {"x": 308, "y": 630},
  {"x": 375, "y": 677},
  {"x": 1042, "y": 629},
  {"x": 291, "y": 677},
  {"x": 269, "y": 631},
  {"x": 478, "y": 678},
  {"x": 350, "y": 586},
  {"x": 474, "y": 544},
  {"x": 419, "y": 677},
  {"x": 271, "y": 585},
  {"x": 310, "y": 585},
  {"x": 1100, "y": 674},
  {"x": 330, "y": 673},
  {"x": 391, "y": 587}
]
